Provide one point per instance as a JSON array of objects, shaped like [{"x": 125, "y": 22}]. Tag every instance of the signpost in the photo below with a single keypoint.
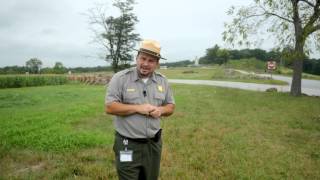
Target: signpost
[{"x": 271, "y": 65}]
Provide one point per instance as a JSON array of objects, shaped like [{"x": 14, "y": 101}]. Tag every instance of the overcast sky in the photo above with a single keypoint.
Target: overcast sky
[{"x": 58, "y": 31}]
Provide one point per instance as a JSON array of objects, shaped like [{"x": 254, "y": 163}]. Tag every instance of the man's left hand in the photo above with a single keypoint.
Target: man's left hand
[{"x": 156, "y": 113}]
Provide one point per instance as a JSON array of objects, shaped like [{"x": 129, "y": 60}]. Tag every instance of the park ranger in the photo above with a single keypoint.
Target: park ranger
[{"x": 139, "y": 97}]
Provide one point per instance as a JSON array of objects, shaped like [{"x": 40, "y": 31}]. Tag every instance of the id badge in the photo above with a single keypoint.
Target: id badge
[{"x": 126, "y": 156}]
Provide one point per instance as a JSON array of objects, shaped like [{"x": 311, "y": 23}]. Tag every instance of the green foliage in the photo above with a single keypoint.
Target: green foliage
[
  {"x": 217, "y": 55},
  {"x": 223, "y": 56},
  {"x": 48, "y": 70},
  {"x": 90, "y": 69},
  {"x": 211, "y": 55},
  {"x": 311, "y": 66},
  {"x": 251, "y": 64},
  {"x": 118, "y": 36},
  {"x": 13, "y": 70},
  {"x": 31, "y": 80},
  {"x": 34, "y": 65},
  {"x": 59, "y": 68}
]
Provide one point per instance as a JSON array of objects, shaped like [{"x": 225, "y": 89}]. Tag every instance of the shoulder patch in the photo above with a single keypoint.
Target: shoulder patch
[
  {"x": 159, "y": 74},
  {"x": 123, "y": 72}
]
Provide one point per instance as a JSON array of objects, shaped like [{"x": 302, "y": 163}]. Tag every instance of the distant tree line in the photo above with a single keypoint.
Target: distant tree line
[
  {"x": 33, "y": 66},
  {"x": 178, "y": 63},
  {"x": 217, "y": 55}
]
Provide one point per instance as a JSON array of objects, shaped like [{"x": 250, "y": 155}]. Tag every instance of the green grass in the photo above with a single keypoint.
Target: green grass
[
  {"x": 43, "y": 117},
  {"x": 218, "y": 73},
  {"x": 248, "y": 64},
  {"x": 61, "y": 132}
]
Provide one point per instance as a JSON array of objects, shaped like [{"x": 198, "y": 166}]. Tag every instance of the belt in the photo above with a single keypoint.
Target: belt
[{"x": 156, "y": 138}]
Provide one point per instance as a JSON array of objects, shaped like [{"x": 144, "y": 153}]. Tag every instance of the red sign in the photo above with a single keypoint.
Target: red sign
[{"x": 272, "y": 65}]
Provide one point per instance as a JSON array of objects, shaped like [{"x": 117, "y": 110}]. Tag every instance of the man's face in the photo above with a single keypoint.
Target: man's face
[{"x": 146, "y": 64}]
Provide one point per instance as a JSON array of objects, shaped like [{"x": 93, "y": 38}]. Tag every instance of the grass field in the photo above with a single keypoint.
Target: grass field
[
  {"x": 61, "y": 132},
  {"x": 218, "y": 73},
  {"x": 259, "y": 67}
]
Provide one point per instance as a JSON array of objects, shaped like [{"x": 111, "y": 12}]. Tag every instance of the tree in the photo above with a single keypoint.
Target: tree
[
  {"x": 293, "y": 23},
  {"x": 222, "y": 56},
  {"x": 59, "y": 68},
  {"x": 34, "y": 65},
  {"x": 117, "y": 36},
  {"x": 211, "y": 55}
]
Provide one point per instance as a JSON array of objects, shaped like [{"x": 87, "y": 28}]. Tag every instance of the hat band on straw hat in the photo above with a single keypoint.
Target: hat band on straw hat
[{"x": 150, "y": 52}]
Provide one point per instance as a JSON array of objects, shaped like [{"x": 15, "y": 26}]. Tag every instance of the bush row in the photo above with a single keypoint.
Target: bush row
[{"x": 31, "y": 80}]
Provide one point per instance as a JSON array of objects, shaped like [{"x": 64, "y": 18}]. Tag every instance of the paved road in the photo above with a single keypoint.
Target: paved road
[
  {"x": 309, "y": 87},
  {"x": 306, "y": 83}
]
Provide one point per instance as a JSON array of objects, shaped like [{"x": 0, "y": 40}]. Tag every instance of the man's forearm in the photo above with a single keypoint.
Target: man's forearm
[
  {"x": 167, "y": 110},
  {"x": 120, "y": 109}
]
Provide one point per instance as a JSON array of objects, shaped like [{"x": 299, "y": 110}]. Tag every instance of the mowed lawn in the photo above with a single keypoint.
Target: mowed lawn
[{"x": 62, "y": 132}]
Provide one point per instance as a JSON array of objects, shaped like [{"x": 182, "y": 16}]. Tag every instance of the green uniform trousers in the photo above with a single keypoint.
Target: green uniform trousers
[{"x": 145, "y": 162}]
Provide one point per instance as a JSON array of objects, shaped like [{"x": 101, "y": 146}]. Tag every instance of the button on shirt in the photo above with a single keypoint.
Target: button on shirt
[{"x": 128, "y": 88}]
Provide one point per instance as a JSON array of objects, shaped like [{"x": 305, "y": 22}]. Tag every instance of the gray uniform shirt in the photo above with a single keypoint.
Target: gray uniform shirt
[{"x": 126, "y": 87}]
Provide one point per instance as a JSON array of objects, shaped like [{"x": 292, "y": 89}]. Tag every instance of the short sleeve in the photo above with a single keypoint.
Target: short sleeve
[
  {"x": 169, "y": 99},
  {"x": 113, "y": 93}
]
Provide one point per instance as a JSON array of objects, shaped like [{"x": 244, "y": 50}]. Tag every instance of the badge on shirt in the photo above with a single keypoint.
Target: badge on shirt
[{"x": 160, "y": 88}]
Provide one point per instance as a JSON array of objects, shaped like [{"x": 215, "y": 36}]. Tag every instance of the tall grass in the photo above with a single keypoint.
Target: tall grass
[{"x": 18, "y": 81}]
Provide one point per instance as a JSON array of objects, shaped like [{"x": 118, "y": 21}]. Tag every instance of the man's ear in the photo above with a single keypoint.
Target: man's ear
[{"x": 158, "y": 63}]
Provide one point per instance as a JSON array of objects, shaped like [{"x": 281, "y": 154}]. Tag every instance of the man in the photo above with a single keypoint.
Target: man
[{"x": 138, "y": 97}]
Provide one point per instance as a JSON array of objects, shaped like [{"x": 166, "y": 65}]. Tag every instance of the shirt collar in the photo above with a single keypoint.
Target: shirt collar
[{"x": 136, "y": 76}]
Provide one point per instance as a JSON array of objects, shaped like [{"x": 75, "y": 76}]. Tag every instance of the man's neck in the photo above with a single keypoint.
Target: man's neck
[{"x": 143, "y": 76}]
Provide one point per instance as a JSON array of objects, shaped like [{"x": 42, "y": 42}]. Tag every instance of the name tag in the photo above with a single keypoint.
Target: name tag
[
  {"x": 126, "y": 156},
  {"x": 130, "y": 90}
]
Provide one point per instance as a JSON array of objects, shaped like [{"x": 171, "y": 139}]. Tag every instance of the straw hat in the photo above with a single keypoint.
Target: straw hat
[{"x": 151, "y": 47}]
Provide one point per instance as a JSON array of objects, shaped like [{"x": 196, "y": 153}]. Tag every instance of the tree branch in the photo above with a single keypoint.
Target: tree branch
[
  {"x": 276, "y": 15},
  {"x": 309, "y": 27},
  {"x": 314, "y": 28},
  {"x": 254, "y": 15},
  {"x": 266, "y": 12}
]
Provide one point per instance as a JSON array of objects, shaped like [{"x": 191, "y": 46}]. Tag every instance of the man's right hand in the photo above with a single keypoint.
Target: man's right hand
[{"x": 145, "y": 109}]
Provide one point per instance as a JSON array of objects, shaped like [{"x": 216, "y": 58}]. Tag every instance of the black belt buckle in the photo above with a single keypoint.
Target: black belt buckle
[{"x": 157, "y": 137}]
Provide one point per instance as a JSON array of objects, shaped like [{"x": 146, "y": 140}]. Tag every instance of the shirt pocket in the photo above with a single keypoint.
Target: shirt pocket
[
  {"x": 159, "y": 98},
  {"x": 131, "y": 98}
]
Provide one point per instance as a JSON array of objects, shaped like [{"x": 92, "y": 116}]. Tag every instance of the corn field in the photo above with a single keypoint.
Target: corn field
[{"x": 17, "y": 81}]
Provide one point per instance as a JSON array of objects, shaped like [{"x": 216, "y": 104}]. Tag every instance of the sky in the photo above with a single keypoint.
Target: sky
[{"x": 58, "y": 31}]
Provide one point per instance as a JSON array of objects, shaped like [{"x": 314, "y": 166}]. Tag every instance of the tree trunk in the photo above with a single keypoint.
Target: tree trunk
[
  {"x": 298, "y": 51},
  {"x": 297, "y": 66},
  {"x": 296, "y": 77}
]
